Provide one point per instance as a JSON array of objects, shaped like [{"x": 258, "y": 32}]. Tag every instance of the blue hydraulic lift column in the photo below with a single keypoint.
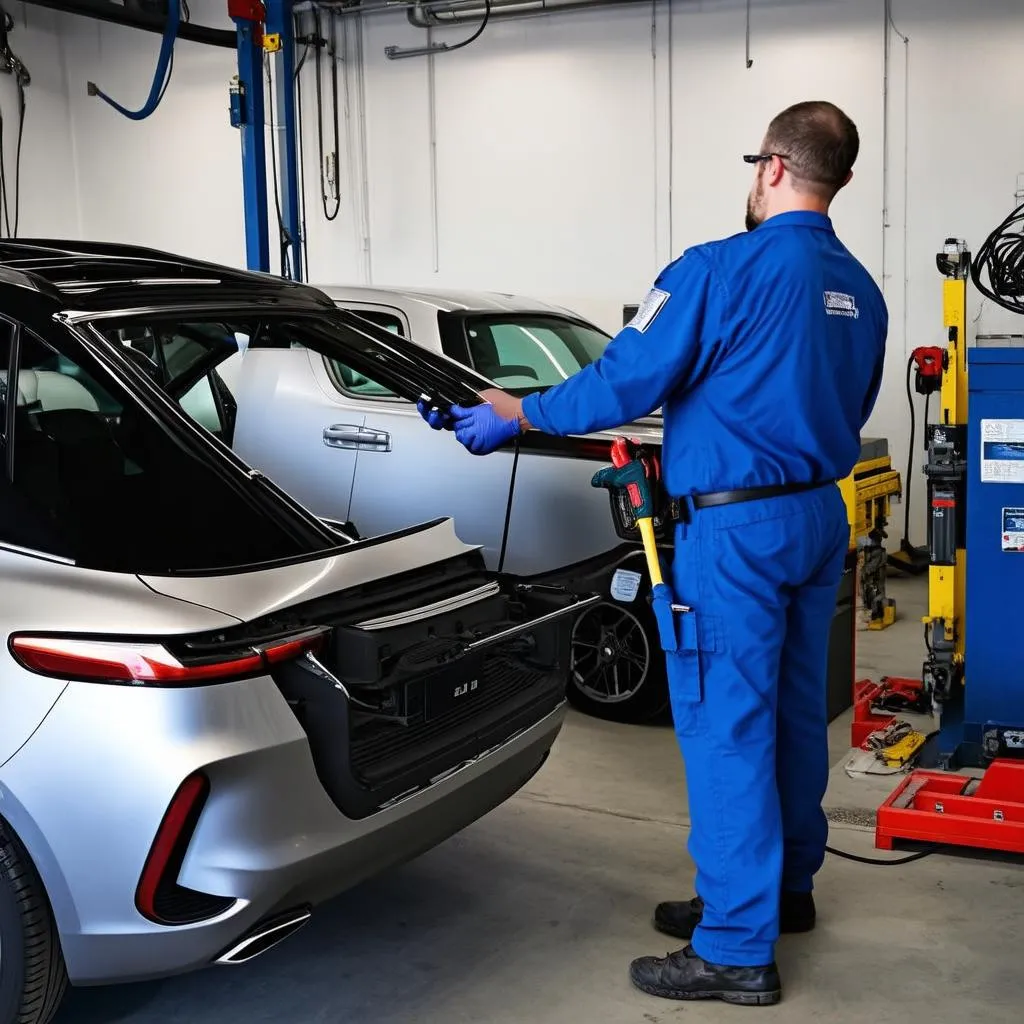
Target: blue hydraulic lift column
[
  {"x": 281, "y": 26},
  {"x": 247, "y": 114}
]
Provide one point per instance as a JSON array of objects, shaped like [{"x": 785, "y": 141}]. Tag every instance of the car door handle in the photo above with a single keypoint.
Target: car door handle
[{"x": 347, "y": 435}]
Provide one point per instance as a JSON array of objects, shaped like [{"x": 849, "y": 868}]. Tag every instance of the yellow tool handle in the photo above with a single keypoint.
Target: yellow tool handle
[{"x": 650, "y": 550}]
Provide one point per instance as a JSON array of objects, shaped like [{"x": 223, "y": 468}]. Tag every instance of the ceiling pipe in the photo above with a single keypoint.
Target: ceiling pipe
[
  {"x": 428, "y": 15},
  {"x": 118, "y": 14},
  {"x": 421, "y": 13}
]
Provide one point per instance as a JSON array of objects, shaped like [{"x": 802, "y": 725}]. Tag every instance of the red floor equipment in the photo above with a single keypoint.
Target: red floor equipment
[
  {"x": 960, "y": 810},
  {"x": 865, "y": 693}
]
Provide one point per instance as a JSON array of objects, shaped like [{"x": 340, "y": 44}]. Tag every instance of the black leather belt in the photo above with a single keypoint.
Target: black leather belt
[{"x": 716, "y": 498}]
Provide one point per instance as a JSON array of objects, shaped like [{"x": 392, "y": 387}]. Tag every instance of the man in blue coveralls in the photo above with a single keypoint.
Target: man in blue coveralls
[{"x": 765, "y": 351}]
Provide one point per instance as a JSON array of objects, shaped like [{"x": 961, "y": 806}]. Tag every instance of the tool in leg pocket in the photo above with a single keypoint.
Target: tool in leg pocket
[{"x": 633, "y": 469}]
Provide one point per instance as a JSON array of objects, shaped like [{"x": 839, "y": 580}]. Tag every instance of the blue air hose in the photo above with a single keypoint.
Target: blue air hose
[{"x": 156, "y": 92}]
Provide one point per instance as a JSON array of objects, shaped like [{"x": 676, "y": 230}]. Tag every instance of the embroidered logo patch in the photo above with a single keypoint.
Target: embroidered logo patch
[
  {"x": 841, "y": 304},
  {"x": 652, "y": 305}
]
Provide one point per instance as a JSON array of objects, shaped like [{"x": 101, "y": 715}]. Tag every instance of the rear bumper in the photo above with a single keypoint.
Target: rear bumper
[{"x": 268, "y": 836}]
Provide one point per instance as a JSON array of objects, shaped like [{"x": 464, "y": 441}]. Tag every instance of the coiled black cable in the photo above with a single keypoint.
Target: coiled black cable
[{"x": 998, "y": 268}]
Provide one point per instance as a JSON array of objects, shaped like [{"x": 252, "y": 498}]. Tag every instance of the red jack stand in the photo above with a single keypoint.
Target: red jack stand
[
  {"x": 865, "y": 693},
  {"x": 938, "y": 807}
]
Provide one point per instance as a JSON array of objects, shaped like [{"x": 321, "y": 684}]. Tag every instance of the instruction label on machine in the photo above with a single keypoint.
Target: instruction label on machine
[
  {"x": 1002, "y": 451},
  {"x": 1013, "y": 529}
]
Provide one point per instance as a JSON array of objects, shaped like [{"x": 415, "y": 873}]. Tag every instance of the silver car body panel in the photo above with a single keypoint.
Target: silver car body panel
[
  {"x": 249, "y": 595},
  {"x": 89, "y": 602},
  {"x": 269, "y": 835}
]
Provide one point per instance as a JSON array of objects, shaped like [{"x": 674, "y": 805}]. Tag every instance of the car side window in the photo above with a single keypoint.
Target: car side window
[
  {"x": 23, "y": 523},
  {"x": 98, "y": 479},
  {"x": 389, "y": 321},
  {"x": 201, "y": 403},
  {"x": 515, "y": 355},
  {"x": 358, "y": 384},
  {"x": 6, "y": 347},
  {"x": 173, "y": 352},
  {"x": 354, "y": 383},
  {"x": 63, "y": 449}
]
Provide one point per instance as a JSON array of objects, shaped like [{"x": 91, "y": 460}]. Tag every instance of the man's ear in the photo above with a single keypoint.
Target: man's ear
[
  {"x": 776, "y": 169},
  {"x": 846, "y": 180}
]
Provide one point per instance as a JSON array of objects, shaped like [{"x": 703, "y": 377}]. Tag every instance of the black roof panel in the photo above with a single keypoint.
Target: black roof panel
[{"x": 98, "y": 275}]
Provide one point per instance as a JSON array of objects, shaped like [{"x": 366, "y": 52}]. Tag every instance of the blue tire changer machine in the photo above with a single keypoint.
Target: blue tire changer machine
[{"x": 972, "y": 792}]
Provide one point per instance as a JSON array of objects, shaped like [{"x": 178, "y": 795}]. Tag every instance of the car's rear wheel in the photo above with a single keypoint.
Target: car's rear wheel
[
  {"x": 33, "y": 978},
  {"x": 617, "y": 667}
]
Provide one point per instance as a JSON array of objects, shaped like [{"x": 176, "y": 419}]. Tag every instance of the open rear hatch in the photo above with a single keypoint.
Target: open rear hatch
[{"x": 419, "y": 672}]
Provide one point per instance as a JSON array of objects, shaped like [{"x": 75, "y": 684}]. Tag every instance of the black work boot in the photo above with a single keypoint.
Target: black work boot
[
  {"x": 796, "y": 914},
  {"x": 684, "y": 975}
]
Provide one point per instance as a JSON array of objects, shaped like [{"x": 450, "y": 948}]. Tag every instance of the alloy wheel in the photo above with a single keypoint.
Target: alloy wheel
[{"x": 610, "y": 656}]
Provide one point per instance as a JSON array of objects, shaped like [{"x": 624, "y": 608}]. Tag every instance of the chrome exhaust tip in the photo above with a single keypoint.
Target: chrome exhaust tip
[{"x": 269, "y": 933}]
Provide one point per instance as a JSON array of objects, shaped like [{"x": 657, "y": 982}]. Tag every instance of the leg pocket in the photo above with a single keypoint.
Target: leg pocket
[{"x": 686, "y": 637}]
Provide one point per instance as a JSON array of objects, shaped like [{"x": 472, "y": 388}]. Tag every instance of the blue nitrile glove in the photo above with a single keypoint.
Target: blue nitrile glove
[
  {"x": 481, "y": 430},
  {"x": 437, "y": 419}
]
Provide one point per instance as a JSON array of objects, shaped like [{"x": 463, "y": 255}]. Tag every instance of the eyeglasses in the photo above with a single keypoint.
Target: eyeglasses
[{"x": 758, "y": 158}]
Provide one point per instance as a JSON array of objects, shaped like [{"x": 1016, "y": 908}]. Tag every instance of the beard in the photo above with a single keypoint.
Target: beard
[{"x": 755, "y": 202}]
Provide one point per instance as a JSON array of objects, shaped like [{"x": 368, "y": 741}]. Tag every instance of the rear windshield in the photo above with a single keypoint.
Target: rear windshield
[
  {"x": 93, "y": 476},
  {"x": 525, "y": 352}
]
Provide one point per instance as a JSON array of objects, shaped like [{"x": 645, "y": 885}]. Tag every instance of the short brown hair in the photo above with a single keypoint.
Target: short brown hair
[{"x": 820, "y": 142}]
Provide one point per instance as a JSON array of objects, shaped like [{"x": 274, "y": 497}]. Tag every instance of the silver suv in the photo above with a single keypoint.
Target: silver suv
[{"x": 217, "y": 709}]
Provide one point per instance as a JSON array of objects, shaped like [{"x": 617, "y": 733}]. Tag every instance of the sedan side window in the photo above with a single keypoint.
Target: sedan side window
[
  {"x": 513, "y": 355},
  {"x": 357, "y": 384},
  {"x": 522, "y": 352},
  {"x": 352, "y": 382},
  {"x": 389, "y": 321}
]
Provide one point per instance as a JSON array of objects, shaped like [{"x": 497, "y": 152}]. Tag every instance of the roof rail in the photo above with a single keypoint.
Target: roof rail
[{"x": 68, "y": 247}]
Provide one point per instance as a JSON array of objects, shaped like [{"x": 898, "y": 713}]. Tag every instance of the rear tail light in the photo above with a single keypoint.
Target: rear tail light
[{"x": 154, "y": 664}]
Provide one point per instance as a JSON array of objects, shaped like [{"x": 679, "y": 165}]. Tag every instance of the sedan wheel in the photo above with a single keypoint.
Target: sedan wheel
[{"x": 617, "y": 669}]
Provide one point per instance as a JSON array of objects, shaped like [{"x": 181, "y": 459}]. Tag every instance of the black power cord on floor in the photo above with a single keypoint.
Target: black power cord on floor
[{"x": 856, "y": 858}]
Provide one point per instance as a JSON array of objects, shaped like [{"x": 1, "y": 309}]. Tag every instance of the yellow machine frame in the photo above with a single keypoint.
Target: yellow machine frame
[
  {"x": 868, "y": 492},
  {"x": 947, "y": 583}
]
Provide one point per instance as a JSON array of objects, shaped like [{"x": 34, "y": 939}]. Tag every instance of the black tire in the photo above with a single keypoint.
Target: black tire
[
  {"x": 643, "y": 695},
  {"x": 33, "y": 978}
]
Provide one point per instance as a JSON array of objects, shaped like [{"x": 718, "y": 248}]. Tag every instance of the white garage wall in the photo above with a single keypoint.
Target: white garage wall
[
  {"x": 173, "y": 180},
  {"x": 573, "y": 157},
  {"x": 48, "y": 180}
]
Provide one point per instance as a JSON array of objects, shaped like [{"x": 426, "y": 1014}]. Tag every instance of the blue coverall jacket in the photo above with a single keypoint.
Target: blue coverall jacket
[{"x": 765, "y": 351}]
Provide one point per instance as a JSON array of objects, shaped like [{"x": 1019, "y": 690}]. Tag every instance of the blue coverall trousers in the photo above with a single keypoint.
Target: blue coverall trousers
[{"x": 748, "y": 691}]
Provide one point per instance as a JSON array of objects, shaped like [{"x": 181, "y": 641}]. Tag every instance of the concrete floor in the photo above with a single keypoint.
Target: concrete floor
[{"x": 534, "y": 913}]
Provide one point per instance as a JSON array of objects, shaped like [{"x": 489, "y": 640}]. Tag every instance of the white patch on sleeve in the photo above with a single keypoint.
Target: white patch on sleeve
[
  {"x": 652, "y": 305},
  {"x": 841, "y": 304}
]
